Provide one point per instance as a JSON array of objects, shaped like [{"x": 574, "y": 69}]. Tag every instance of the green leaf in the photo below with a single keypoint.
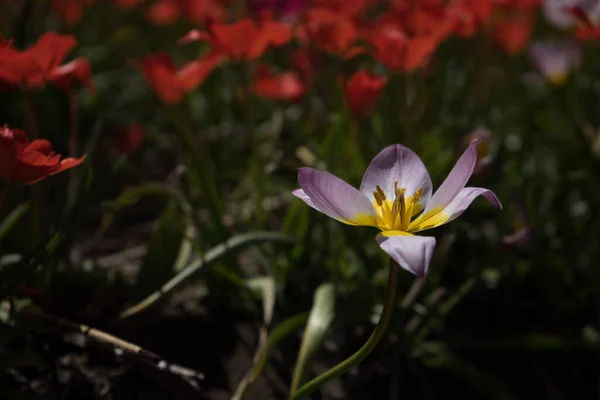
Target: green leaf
[
  {"x": 319, "y": 320},
  {"x": 133, "y": 195},
  {"x": 233, "y": 245},
  {"x": 280, "y": 332},
  {"x": 12, "y": 219},
  {"x": 268, "y": 290}
]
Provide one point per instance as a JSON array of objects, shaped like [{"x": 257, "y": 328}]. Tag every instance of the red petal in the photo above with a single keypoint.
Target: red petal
[
  {"x": 270, "y": 34},
  {"x": 159, "y": 71},
  {"x": 235, "y": 39},
  {"x": 285, "y": 86},
  {"x": 40, "y": 146},
  {"x": 50, "y": 50},
  {"x": 194, "y": 73},
  {"x": 78, "y": 69}
]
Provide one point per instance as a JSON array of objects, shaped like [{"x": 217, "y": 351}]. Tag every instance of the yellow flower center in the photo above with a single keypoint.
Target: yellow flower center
[{"x": 395, "y": 215}]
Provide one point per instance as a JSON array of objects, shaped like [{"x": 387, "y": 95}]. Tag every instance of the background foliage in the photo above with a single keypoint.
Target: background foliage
[{"x": 194, "y": 196}]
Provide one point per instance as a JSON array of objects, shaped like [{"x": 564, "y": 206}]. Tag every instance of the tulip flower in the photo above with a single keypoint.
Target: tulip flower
[
  {"x": 362, "y": 91},
  {"x": 41, "y": 63},
  {"x": 25, "y": 162},
  {"x": 285, "y": 86},
  {"x": 566, "y": 14},
  {"x": 554, "y": 60},
  {"x": 399, "y": 52},
  {"x": 243, "y": 40},
  {"x": 395, "y": 196},
  {"x": 329, "y": 31},
  {"x": 513, "y": 34},
  {"x": 172, "y": 84}
]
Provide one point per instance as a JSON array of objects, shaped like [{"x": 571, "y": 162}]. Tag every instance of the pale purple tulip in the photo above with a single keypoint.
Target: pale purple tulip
[
  {"x": 554, "y": 60},
  {"x": 396, "y": 196}
]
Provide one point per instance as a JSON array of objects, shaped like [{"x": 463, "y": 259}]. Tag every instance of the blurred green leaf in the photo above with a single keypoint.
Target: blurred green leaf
[
  {"x": 12, "y": 219},
  {"x": 321, "y": 315},
  {"x": 280, "y": 332},
  {"x": 265, "y": 285},
  {"x": 232, "y": 245}
]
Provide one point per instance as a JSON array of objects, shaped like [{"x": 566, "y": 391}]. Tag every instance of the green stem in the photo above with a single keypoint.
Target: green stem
[
  {"x": 200, "y": 169},
  {"x": 366, "y": 349}
]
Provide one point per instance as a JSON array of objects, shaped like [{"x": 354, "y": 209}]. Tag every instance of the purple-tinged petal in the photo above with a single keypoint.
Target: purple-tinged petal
[
  {"x": 299, "y": 193},
  {"x": 413, "y": 253},
  {"x": 397, "y": 163},
  {"x": 456, "y": 207},
  {"x": 334, "y": 197},
  {"x": 555, "y": 60},
  {"x": 452, "y": 185}
]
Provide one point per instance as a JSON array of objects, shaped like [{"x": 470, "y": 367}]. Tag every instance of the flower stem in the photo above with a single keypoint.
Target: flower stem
[{"x": 367, "y": 348}]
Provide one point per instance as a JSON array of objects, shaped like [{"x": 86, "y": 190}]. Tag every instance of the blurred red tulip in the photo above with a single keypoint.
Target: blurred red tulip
[
  {"x": 362, "y": 91},
  {"x": 172, "y": 84},
  {"x": 285, "y": 86},
  {"x": 128, "y": 138},
  {"x": 243, "y": 40},
  {"x": 25, "y": 162},
  {"x": 164, "y": 12},
  {"x": 303, "y": 61},
  {"x": 329, "y": 31},
  {"x": 40, "y": 63},
  {"x": 512, "y": 35},
  {"x": 470, "y": 15},
  {"x": 167, "y": 12},
  {"x": 288, "y": 10},
  {"x": 204, "y": 11},
  {"x": 587, "y": 28},
  {"x": 347, "y": 9},
  {"x": 69, "y": 11},
  {"x": 398, "y": 52}
]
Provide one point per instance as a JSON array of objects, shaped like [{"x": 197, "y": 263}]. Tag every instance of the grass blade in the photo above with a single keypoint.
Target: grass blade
[
  {"x": 321, "y": 316},
  {"x": 234, "y": 244}
]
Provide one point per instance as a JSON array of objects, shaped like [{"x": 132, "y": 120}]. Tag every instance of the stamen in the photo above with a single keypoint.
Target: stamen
[
  {"x": 417, "y": 196},
  {"x": 402, "y": 200},
  {"x": 377, "y": 198},
  {"x": 380, "y": 193}
]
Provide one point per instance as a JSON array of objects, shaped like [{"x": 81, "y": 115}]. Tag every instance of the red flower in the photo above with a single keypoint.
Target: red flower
[
  {"x": 128, "y": 138},
  {"x": 285, "y": 86},
  {"x": 69, "y": 11},
  {"x": 171, "y": 84},
  {"x": 394, "y": 49},
  {"x": 25, "y": 162},
  {"x": 41, "y": 63},
  {"x": 329, "y": 31},
  {"x": 513, "y": 35},
  {"x": 362, "y": 91},
  {"x": 587, "y": 29},
  {"x": 243, "y": 40},
  {"x": 470, "y": 15},
  {"x": 345, "y": 8},
  {"x": 167, "y": 12},
  {"x": 303, "y": 61}
]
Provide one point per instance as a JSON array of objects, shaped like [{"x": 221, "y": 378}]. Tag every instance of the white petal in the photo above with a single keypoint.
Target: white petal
[
  {"x": 413, "y": 253},
  {"x": 397, "y": 163}
]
